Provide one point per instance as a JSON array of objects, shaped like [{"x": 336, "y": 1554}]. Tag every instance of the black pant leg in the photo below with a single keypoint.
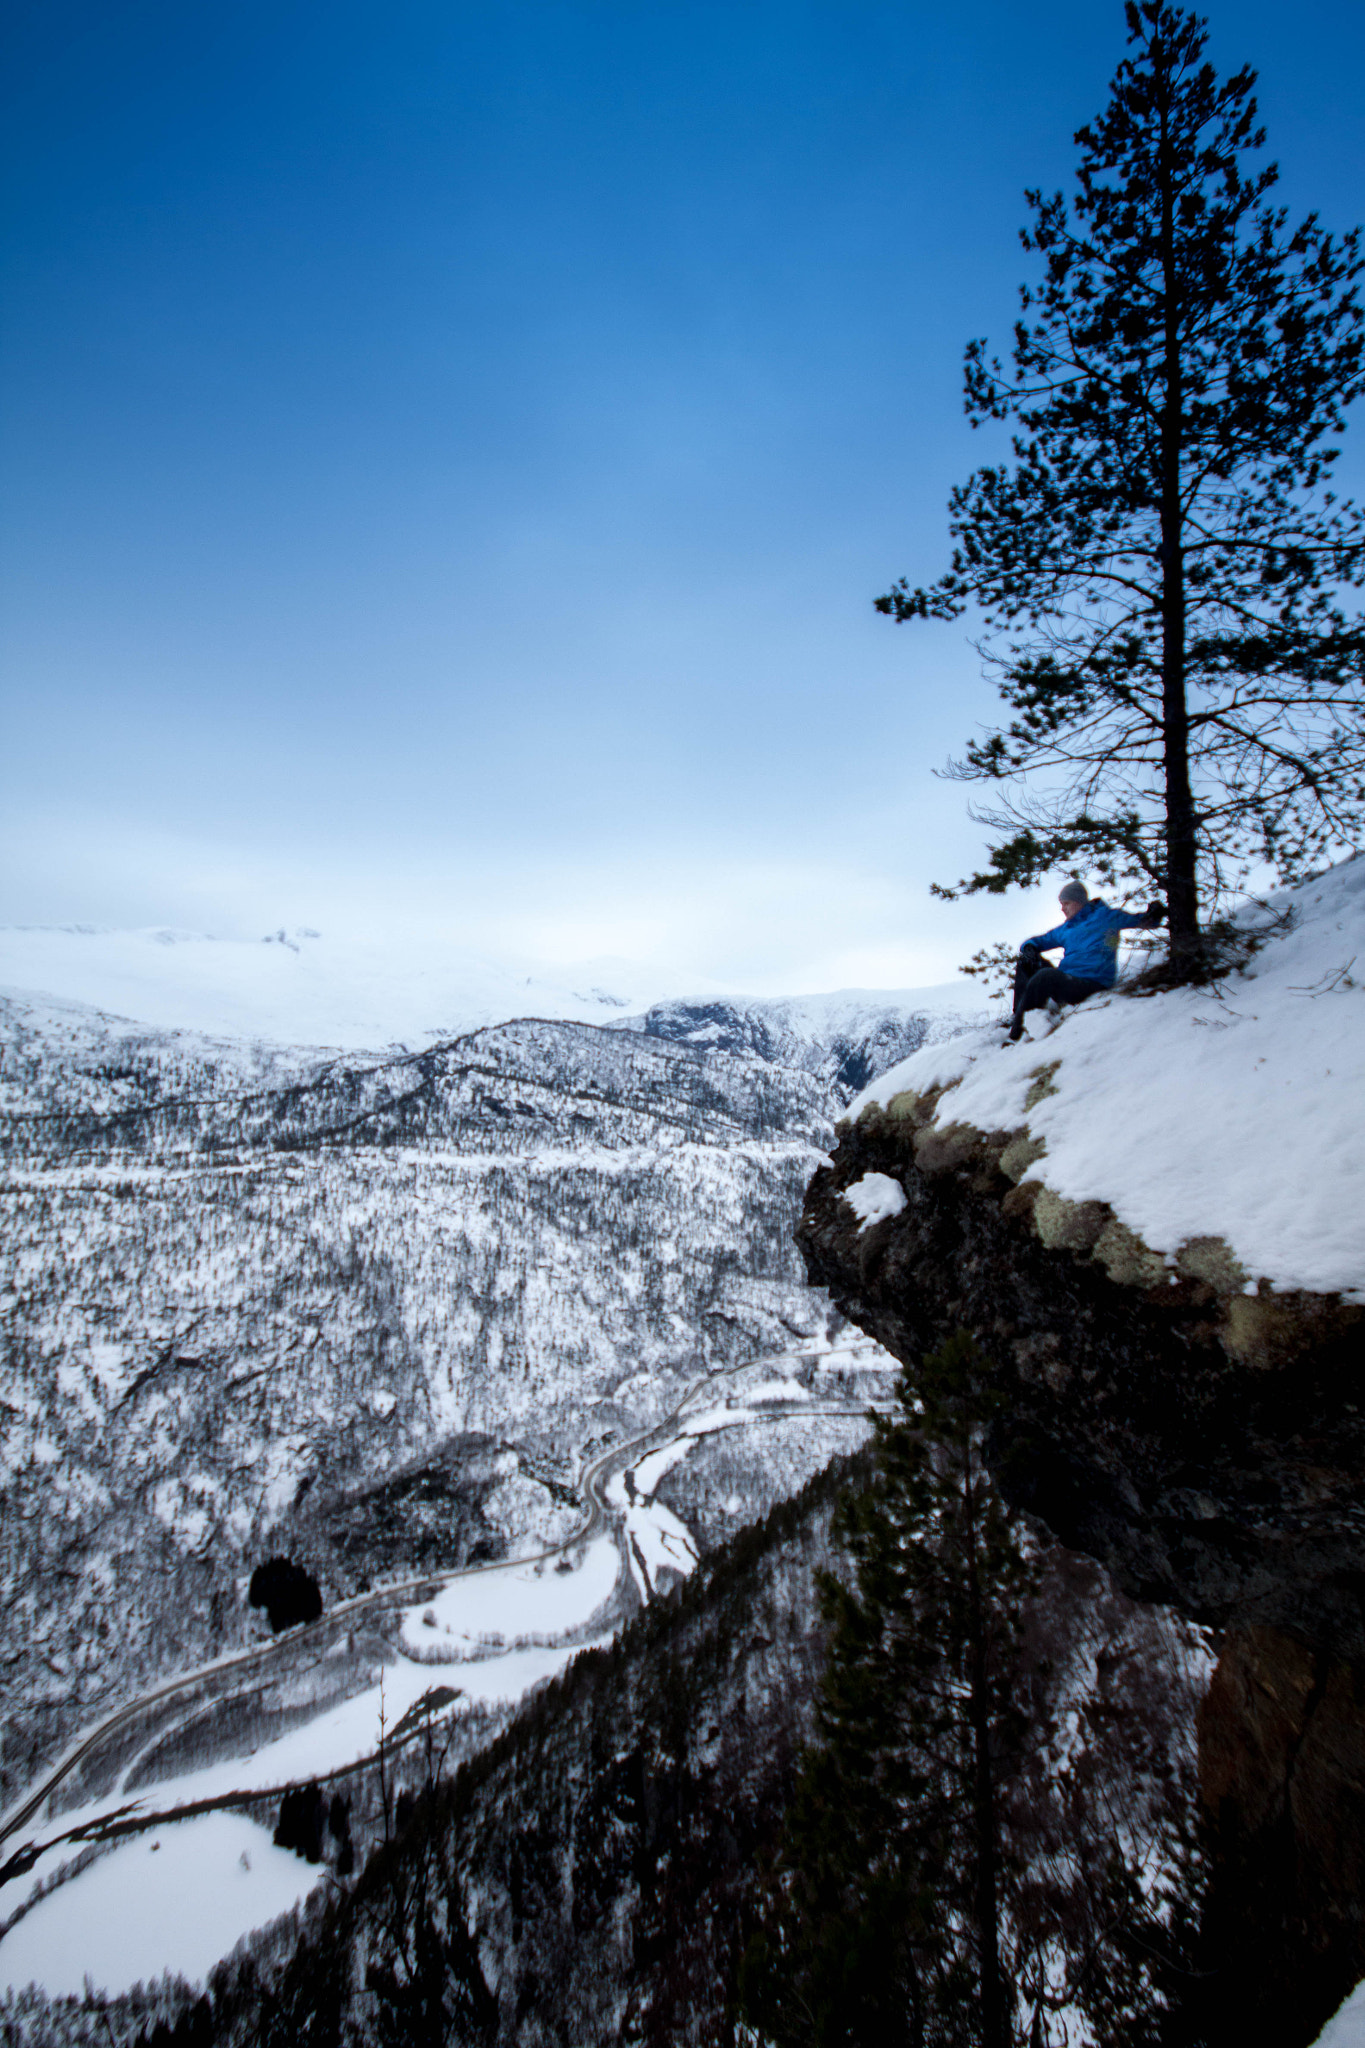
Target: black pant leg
[
  {"x": 1048, "y": 985},
  {"x": 1043, "y": 987},
  {"x": 1074, "y": 988},
  {"x": 1029, "y": 962}
]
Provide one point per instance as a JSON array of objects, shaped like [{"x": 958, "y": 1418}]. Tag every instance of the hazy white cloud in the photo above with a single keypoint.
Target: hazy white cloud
[{"x": 855, "y": 916}]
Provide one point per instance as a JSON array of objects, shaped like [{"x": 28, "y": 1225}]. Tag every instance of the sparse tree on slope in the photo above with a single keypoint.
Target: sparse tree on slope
[
  {"x": 980, "y": 1852},
  {"x": 1160, "y": 568},
  {"x": 885, "y": 1916}
]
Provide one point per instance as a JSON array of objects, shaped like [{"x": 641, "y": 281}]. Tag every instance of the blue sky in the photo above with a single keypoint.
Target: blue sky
[{"x": 451, "y": 451}]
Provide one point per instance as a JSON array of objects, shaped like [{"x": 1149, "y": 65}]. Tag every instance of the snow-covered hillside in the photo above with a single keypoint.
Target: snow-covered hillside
[
  {"x": 386, "y": 1315},
  {"x": 245, "y": 1292},
  {"x": 1233, "y": 1113}
]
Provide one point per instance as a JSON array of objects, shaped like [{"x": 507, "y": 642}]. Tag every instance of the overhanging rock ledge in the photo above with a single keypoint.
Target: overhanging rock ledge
[{"x": 1205, "y": 1443}]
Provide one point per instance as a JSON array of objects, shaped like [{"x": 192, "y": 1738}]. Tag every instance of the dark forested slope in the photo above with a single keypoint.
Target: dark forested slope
[{"x": 595, "y": 1874}]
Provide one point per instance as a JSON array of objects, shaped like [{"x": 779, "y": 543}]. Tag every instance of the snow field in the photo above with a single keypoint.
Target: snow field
[
  {"x": 1234, "y": 1113},
  {"x": 174, "y": 1899},
  {"x": 500, "y": 1604}
]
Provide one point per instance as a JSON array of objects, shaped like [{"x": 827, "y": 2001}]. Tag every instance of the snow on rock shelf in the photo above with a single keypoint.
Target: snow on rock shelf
[
  {"x": 875, "y": 1197},
  {"x": 1223, "y": 1128},
  {"x": 1153, "y": 1223}
]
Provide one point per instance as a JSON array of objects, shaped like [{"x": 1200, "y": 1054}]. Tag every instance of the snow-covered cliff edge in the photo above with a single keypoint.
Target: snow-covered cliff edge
[
  {"x": 1153, "y": 1222},
  {"x": 1153, "y": 1219},
  {"x": 1233, "y": 1113}
]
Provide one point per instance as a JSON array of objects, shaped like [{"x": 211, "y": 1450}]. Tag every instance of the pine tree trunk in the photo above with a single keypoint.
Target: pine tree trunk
[{"x": 1182, "y": 893}]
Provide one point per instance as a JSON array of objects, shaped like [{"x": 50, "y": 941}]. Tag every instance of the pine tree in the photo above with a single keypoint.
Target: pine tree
[
  {"x": 1160, "y": 570},
  {"x": 885, "y": 1907},
  {"x": 940, "y": 1881}
]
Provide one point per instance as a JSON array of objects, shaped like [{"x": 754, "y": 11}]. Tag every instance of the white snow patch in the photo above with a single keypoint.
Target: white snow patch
[
  {"x": 1237, "y": 1112},
  {"x": 775, "y": 1390},
  {"x": 499, "y": 1605},
  {"x": 649, "y": 1472},
  {"x": 655, "y": 1540},
  {"x": 873, "y": 1198},
  {"x": 176, "y": 1898},
  {"x": 1346, "y": 2028},
  {"x": 108, "y": 1362}
]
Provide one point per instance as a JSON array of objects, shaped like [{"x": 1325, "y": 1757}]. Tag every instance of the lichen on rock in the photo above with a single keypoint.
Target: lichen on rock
[
  {"x": 1270, "y": 1331},
  {"x": 1043, "y": 1084},
  {"x": 1023, "y": 1151},
  {"x": 941, "y": 1148},
  {"x": 1069, "y": 1226},
  {"x": 1126, "y": 1259},
  {"x": 1213, "y": 1260}
]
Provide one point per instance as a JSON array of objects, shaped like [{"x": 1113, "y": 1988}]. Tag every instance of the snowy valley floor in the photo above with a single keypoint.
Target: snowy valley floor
[{"x": 476, "y": 1640}]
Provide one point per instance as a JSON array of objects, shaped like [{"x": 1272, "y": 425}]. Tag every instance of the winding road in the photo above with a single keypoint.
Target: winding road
[{"x": 113, "y": 1742}]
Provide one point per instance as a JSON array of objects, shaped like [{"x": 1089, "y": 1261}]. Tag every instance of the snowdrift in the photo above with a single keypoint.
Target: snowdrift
[{"x": 1224, "y": 1128}]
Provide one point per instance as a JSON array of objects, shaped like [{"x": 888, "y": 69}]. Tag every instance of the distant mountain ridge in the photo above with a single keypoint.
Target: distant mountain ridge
[{"x": 296, "y": 988}]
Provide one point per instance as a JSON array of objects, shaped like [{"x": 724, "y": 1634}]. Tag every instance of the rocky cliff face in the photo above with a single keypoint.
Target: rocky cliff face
[
  {"x": 1207, "y": 1445},
  {"x": 1203, "y": 1438}
]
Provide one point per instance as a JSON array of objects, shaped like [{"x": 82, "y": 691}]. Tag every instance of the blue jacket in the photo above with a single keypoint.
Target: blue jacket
[{"x": 1090, "y": 941}]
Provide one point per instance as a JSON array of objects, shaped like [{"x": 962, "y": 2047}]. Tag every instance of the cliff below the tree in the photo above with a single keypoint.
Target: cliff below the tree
[
  {"x": 1152, "y": 1222},
  {"x": 1207, "y": 1445}
]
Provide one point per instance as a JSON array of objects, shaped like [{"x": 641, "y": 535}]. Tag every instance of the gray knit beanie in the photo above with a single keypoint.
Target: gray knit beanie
[{"x": 1073, "y": 892}]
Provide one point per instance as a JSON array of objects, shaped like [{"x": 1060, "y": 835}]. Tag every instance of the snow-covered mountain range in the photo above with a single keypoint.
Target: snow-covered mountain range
[
  {"x": 844, "y": 1040},
  {"x": 298, "y": 986},
  {"x": 301, "y": 987}
]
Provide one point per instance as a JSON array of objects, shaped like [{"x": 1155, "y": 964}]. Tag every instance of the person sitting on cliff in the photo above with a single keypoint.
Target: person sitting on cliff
[{"x": 1089, "y": 938}]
